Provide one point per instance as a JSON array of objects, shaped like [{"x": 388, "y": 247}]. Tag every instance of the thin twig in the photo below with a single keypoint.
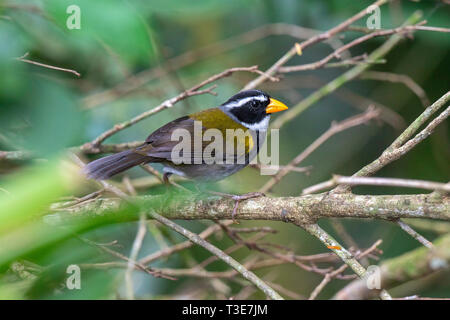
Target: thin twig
[
  {"x": 335, "y": 128},
  {"x": 148, "y": 168},
  {"x": 138, "y": 265},
  {"x": 250, "y": 276},
  {"x": 46, "y": 65},
  {"x": 336, "y": 54},
  {"x": 413, "y": 233},
  {"x": 14, "y": 155},
  {"x": 329, "y": 276},
  {"x": 195, "y": 90},
  {"x": 108, "y": 148},
  {"x": 399, "y": 78},
  {"x": 375, "y": 181},
  {"x": 229, "y": 250},
  {"x": 137, "y": 244},
  {"x": 346, "y": 256},
  {"x": 439, "y": 227},
  {"x": 181, "y": 246},
  {"x": 361, "y": 59},
  {"x": 137, "y": 80},
  {"x": 357, "y": 101},
  {"x": 338, "y": 82},
  {"x": 402, "y": 145},
  {"x": 416, "y": 264},
  {"x": 313, "y": 40}
]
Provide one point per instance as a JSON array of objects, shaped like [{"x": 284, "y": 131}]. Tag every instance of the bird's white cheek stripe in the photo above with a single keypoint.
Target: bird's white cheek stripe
[{"x": 241, "y": 102}]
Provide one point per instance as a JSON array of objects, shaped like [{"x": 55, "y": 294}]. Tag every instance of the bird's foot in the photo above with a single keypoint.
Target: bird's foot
[
  {"x": 166, "y": 176},
  {"x": 237, "y": 199}
]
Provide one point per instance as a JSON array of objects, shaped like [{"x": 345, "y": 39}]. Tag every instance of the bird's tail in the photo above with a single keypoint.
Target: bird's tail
[{"x": 106, "y": 167}]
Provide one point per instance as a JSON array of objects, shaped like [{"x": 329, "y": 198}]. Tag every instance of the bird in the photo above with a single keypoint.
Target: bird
[{"x": 248, "y": 110}]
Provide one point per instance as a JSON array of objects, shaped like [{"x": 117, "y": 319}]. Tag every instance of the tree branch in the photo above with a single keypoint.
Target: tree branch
[
  {"x": 402, "y": 145},
  {"x": 370, "y": 181},
  {"x": 336, "y": 54},
  {"x": 303, "y": 45},
  {"x": 410, "y": 266},
  {"x": 299, "y": 210},
  {"x": 334, "y": 129},
  {"x": 195, "y": 90},
  {"x": 342, "y": 253},
  {"x": 22, "y": 58},
  {"x": 250, "y": 276},
  {"x": 342, "y": 79}
]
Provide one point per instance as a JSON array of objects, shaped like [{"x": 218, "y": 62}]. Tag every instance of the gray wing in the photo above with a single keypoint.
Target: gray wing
[{"x": 161, "y": 142}]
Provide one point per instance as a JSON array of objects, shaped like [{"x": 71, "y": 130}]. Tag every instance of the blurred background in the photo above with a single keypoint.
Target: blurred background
[{"x": 117, "y": 50}]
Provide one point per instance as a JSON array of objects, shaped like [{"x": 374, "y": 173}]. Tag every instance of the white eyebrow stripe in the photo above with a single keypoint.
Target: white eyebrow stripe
[{"x": 244, "y": 101}]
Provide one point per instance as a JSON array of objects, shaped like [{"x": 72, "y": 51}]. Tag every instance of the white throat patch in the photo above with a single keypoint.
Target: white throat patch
[{"x": 260, "y": 126}]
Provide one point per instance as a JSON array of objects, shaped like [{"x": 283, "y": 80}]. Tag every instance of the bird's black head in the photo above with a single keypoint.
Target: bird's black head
[{"x": 252, "y": 108}]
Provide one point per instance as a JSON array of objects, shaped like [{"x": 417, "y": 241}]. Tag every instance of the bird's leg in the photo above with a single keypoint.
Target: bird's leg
[
  {"x": 238, "y": 198},
  {"x": 168, "y": 192},
  {"x": 166, "y": 176}
]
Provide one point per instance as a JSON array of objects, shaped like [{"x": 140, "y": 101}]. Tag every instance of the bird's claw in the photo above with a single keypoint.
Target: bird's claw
[
  {"x": 237, "y": 199},
  {"x": 246, "y": 196}
]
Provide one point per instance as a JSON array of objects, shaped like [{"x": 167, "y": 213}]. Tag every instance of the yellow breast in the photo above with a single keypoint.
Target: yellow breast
[{"x": 216, "y": 118}]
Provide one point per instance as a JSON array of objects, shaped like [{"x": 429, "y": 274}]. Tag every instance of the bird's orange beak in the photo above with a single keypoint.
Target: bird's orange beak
[{"x": 275, "y": 106}]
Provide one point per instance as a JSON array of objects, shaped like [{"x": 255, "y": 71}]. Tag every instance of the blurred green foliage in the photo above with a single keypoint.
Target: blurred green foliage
[{"x": 43, "y": 111}]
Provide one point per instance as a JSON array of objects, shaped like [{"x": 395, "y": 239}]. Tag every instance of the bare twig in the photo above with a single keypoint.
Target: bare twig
[
  {"x": 296, "y": 260},
  {"x": 148, "y": 168},
  {"x": 437, "y": 29},
  {"x": 393, "y": 182},
  {"x": 106, "y": 185},
  {"x": 77, "y": 202},
  {"x": 357, "y": 101},
  {"x": 397, "y": 149},
  {"x": 329, "y": 276},
  {"x": 334, "y": 129},
  {"x": 412, "y": 265},
  {"x": 416, "y": 297},
  {"x": 195, "y": 90},
  {"x": 22, "y": 58},
  {"x": 288, "y": 293},
  {"x": 400, "y": 78},
  {"x": 319, "y": 187},
  {"x": 346, "y": 256},
  {"x": 230, "y": 250},
  {"x": 108, "y": 148},
  {"x": 361, "y": 59},
  {"x": 259, "y": 166},
  {"x": 402, "y": 145},
  {"x": 133, "y": 262},
  {"x": 336, "y": 54},
  {"x": 137, "y": 244},
  {"x": 413, "y": 233},
  {"x": 181, "y": 246},
  {"x": 303, "y": 45},
  {"x": 439, "y": 227},
  {"x": 250, "y": 276},
  {"x": 137, "y": 80},
  {"x": 166, "y": 104},
  {"x": 14, "y": 155},
  {"x": 342, "y": 79}
]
